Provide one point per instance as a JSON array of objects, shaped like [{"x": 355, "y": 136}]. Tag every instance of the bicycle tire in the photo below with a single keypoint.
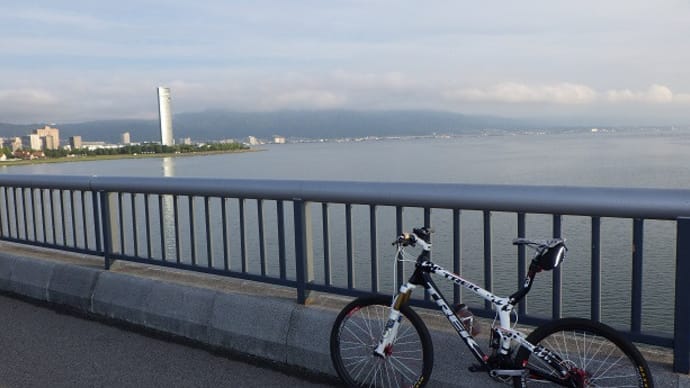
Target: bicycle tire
[
  {"x": 356, "y": 333},
  {"x": 597, "y": 355}
]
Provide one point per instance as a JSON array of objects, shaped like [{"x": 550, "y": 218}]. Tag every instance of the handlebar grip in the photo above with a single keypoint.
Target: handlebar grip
[{"x": 406, "y": 239}]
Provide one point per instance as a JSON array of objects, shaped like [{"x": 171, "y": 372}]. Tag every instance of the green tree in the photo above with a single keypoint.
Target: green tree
[{"x": 7, "y": 152}]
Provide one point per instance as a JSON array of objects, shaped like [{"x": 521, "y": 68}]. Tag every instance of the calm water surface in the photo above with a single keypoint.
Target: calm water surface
[{"x": 638, "y": 159}]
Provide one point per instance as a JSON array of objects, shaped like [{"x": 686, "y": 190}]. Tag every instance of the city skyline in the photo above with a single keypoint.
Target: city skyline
[
  {"x": 47, "y": 138},
  {"x": 620, "y": 61}
]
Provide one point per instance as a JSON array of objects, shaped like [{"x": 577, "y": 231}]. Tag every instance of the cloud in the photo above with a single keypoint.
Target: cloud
[
  {"x": 27, "y": 96},
  {"x": 513, "y": 92},
  {"x": 657, "y": 94},
  {"x": 305, "y": 99},
  {"x": 53, "y": 16},
  {"x": 565, "y": 94},
  {"x": 682, "y": 98},
  {"x": 20, "y": 104},
  {"x": 388, "y": 80}
]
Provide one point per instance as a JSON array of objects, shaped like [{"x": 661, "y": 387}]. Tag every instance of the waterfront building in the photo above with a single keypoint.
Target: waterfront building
[
  {"x": 252, "y": 140},
  {"x": 50, "y": 137},
  {"x": 278, "y": 139},
  {"x": 125, "y": 138},
  {"x": 32, "y": 142},
  {"x": 97, "y": 145},
  {"x": 50, "y": 143},
  {"x": 16, "y": 144},
  {"x": 75, "y": 142},
  {"x": 165, "y": 116}
]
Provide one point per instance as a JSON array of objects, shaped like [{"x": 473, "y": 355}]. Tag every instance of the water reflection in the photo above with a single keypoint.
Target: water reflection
[
  {"x": 168, "y": 166},
  {"x": 167, "y": 204}
]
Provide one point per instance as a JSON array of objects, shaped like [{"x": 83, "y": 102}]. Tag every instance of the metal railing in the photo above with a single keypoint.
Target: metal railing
[{"x": 288, "y": 233}]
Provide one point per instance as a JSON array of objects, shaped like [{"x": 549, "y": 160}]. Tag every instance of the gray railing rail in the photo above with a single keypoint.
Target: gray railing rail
[{"x": 207, "y": 225}]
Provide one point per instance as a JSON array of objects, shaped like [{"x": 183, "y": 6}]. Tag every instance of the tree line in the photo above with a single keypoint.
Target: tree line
[{"x": 135, "y": 149}]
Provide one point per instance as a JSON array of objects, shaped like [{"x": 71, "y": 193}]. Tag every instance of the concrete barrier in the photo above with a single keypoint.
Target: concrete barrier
[
  {"x": 30, "y": 278},
  {"x": 271, "y": 328},
  {"x": 308, "y": 339},
  {"x": 72, "y": 286}
]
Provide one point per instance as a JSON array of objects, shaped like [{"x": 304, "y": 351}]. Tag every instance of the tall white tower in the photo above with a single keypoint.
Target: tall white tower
[{"x": 165, "y": 116}]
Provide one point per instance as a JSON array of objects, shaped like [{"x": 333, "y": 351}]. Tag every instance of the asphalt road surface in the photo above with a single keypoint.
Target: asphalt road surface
[{"x": 40, "y": 347}]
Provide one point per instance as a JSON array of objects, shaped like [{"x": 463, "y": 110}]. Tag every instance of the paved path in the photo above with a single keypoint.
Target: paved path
[{"x": 43, "y": 348}]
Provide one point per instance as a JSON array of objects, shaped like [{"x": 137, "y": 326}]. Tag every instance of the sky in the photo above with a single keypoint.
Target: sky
[{"x": 625, "y": 62}]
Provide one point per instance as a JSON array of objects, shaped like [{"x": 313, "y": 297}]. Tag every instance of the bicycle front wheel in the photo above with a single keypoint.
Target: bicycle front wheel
[
  {"x": 356, "y": 333},
  {"x": 595, "y": 355}
]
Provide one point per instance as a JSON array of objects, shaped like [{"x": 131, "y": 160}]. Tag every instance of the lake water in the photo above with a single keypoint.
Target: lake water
[
  {"x": 659, "y": 159},
  {"x": 634, "y": 158}
]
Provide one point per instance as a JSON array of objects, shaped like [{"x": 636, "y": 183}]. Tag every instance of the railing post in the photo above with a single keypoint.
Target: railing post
[
  {"x": 280, "y": 210},
  {"x": 637, "y": 270},
  {"x": 557, "y": 296},
  {"x": 398, "y": 232},
  {"x": 522, "y": 260},
  {"x": 373, "y": 238},
  {"x": 488, "y": 257},
  {"x": 304, "y": 260},
  {"x": 457, "y": 254},
  {"x": 111, "y": 238},
  {"x": 681, "y": 330},
  {"x": 349, "y": 247},
  {"x": 595, "y": 308},
  {"x": 98, "y": 229}
]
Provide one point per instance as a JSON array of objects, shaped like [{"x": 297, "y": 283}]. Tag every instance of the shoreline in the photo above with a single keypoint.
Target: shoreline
[{"x": 96, "y": 158}]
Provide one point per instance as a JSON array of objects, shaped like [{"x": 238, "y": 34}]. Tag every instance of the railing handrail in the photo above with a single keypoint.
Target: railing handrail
[{"x": 662, "y": 204}]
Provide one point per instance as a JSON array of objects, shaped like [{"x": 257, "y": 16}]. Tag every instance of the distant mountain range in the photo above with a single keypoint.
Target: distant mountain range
[{"x": 327, "y": 124}]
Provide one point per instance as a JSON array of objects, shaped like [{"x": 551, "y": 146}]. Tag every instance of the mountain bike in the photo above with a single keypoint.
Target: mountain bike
[{"x": 379, "y": 341}]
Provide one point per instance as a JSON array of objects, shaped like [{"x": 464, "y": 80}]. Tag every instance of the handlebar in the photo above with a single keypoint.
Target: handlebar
[
  {"x": 405, "y": 239},
  {"x": 419, "y": 235}
]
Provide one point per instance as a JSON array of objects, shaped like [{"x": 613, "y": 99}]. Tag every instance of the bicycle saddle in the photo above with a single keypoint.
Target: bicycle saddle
[{"x": 539, "y": 244}]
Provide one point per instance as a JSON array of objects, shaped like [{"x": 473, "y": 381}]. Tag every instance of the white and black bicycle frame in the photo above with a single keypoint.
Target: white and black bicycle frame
[{"x": 503, "y": 306}]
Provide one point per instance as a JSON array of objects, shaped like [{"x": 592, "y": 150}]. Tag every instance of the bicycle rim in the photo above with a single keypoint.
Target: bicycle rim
[
  {"x": 357, "y": 332},
  {"x": 594, "y": 355}
]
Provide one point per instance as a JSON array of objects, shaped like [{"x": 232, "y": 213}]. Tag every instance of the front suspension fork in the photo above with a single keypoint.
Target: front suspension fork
[{"x": 390, "y": 330}]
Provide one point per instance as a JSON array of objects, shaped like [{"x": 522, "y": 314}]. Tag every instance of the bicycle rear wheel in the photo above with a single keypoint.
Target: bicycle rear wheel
[
  {"x": 594, "y": 354},
  {"x": 355, "y": 334}
]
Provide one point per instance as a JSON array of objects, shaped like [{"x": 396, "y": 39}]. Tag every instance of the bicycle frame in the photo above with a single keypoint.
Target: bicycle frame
[{"x": 503, "y": 306}]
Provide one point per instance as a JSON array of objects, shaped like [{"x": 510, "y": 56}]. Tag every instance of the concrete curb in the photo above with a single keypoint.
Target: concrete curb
[
  {"x": 72, "y": 286},
  {"x": 251, "y": 325},
  {"x": 308, "y": 337},
  {"x": 274, "y": 329},
  {"x": 120, "y": 297},
  {"x": 30, "y": 278}
]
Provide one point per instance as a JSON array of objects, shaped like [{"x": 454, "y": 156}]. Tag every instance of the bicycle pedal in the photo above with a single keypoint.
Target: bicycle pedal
[{"x": 477, "y": 368}]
